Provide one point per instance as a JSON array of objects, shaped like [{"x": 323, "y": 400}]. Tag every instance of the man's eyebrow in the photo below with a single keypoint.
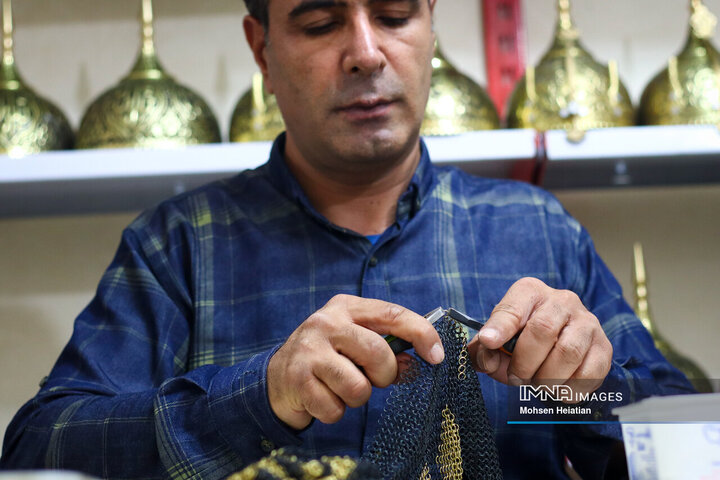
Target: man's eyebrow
[
  {"x": 311, "y": 5},
  {"x": 413, "y": 3}
]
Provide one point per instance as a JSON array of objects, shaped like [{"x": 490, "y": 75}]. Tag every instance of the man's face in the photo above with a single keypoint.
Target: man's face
[{"x": 351, "y": 77}]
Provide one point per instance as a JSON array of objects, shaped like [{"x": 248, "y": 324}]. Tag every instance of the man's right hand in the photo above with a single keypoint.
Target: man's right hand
[{"x": 333, "y": 358}]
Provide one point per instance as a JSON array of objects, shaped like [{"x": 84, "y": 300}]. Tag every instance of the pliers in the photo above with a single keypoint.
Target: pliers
[{"x": 470, "y": 325}]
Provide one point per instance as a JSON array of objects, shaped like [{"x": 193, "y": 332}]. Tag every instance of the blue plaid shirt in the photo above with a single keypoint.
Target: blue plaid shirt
[{"x": 165, "y": 374}]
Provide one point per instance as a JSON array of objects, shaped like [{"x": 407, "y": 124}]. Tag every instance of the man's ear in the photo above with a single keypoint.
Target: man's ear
[
  {"x": 432, "y": 19},
  {"x": 257, "y": 40}
]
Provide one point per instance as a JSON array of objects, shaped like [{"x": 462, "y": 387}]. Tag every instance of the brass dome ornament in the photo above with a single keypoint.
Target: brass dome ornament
[
  {"x": 456, "y": 103},
  {"x": 147, "y": 108},
  {"x": 568, "y": 89},
  {"x": 256, "y": 116},
  {"x": 28, "y": 123},
  {"x": 687, "y": 91},
  {"x": 642, "y": 308}
]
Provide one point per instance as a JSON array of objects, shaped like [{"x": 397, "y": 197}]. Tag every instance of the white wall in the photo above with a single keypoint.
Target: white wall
[{"x": 72, "y": 50}]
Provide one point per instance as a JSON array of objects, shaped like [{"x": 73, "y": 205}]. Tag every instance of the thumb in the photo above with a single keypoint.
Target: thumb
[{"x": 492, "y": 362}]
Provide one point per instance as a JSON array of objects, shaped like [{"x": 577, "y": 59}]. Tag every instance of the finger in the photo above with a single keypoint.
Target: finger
[
  {"x": 512, "y": 312},
  {"x": 538, "y": 340},
  {"x": 568, "y": 353},
  {"x": 285, "y": 404},
  {"x": 494, "y": 363},
  {"x": 320, "y": 402},
  {"x": 388, "y": 318},
  {"x": 345, "y": 380},
  {"x": 368, "y": 350},
  {"x": 595, "y": 367},
  {"x": 404, "y": 363}
]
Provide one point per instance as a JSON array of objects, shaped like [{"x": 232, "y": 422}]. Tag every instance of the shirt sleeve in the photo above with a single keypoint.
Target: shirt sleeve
[
  {"x": 638, "y": 369},
  {"x": 120, "y": 402}
]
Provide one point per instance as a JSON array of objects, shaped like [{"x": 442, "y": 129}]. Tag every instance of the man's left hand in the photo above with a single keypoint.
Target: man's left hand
[{"x": 561, "y": 342}]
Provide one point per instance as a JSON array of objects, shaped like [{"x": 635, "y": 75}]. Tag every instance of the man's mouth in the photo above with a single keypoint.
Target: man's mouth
[{"x": 366, "y": 109}]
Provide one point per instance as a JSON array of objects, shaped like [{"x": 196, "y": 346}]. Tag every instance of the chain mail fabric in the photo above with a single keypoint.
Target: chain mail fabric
[
  {"x": 293, "y": 464},
  {"x": 435, "y": 425}
]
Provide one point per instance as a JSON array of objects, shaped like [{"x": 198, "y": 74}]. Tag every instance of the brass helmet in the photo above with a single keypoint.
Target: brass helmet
[
  {"x": 148, "y": 108},
  {"x": 456, "y": 103},
  {"x": 688, "y": 90},
  {"x": 569, "y": 90},
  {"x": 28, "y": 122},
  {"x": 256, "y": 116}
]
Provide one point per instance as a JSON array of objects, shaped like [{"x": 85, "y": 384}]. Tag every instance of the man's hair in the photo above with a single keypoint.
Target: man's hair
[{"x": 259, "y": 10}]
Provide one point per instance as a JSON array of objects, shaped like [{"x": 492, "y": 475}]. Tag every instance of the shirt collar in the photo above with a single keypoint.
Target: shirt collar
[{"x": 419, "y": 188}]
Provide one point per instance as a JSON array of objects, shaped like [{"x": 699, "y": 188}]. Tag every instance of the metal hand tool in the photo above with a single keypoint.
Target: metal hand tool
[{"x": 471, "y": 326}]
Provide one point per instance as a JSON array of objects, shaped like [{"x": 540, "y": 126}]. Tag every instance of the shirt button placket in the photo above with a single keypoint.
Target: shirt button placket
[
  {"x": 372, "y": 281},
  {"x": 266, "y": 445}
]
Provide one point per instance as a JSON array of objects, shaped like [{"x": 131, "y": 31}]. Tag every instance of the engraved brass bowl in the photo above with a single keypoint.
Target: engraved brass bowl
[
  {"x": 569, "y": 90},
  {"x": 148, "y": 108},
  {"x": 256, "y": 116},
  {"x": 687, "y": 91},
  {"x": 28, "y": 122},
  {"x": 456, "y": 103}
]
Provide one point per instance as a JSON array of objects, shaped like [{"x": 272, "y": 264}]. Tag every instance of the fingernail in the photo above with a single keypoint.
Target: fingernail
[
  {"x": 489, "y": 334},
  {"x": 480, "y": 360},
  {"x": 437, "y": 353},
  {"x": 514, "y": 380}
]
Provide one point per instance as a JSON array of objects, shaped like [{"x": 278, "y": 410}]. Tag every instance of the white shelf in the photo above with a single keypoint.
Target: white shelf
[
  {"x": 95, "y": 181},
  {"x": 656, "y": 155},
  {"x": 74, "y": 165},
  {"x": 92, "y": 181},
  {"x": 485, "y": 146},
  {"x": 635, "y": 142}
]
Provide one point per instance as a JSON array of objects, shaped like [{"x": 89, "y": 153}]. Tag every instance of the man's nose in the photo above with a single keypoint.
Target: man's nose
[{"x": 363, "y": 54}]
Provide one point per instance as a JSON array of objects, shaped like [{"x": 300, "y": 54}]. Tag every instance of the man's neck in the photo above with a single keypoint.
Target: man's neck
[{"x": 362, "y": 200}]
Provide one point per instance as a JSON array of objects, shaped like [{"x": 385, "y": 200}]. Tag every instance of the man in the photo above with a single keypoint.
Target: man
[{"x": 249, "y": 314}]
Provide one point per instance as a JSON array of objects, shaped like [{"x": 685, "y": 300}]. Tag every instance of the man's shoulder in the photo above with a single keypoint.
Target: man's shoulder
[
  {"x": 475, "y": 191},
  {"x": 245, "y": 195}
]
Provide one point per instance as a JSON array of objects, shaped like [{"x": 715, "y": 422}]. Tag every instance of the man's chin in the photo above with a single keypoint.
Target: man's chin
[{"x": 380, "y": 146}]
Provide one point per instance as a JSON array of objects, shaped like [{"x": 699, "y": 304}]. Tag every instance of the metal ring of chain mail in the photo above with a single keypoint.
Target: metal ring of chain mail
[{"x": 435, "y": 425}]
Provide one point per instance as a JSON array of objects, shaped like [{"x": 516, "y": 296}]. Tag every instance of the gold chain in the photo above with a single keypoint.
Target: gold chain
[
  {"x": 462, "y": 358},
  {"x": 450, "y": 457},
  {"x": 340, "y": 468},
  {"x": 462, "y": 363},
  {"x": 267, "y": 464}
]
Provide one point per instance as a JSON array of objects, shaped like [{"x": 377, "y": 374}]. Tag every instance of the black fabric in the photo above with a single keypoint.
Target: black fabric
[{"x": 411, "y": 431}]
